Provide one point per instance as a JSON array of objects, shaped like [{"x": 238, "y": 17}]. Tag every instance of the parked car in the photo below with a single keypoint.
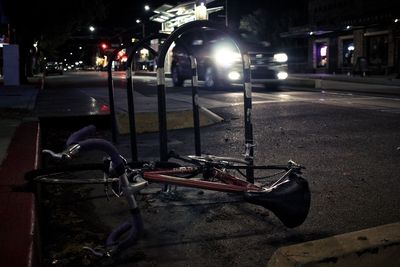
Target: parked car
[
  {"x": 53, "y": 67},
  {"x": 219, "y": 62}
]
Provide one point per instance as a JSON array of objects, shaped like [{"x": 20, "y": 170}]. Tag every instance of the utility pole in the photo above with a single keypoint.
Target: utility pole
[{"x": 226, "y": 13}]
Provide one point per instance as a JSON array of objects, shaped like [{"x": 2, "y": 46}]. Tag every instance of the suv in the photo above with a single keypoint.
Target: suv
[{"x": 219, "y": 62}]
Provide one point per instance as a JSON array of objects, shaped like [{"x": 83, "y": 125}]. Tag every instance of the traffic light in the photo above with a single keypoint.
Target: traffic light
[{"x": 104, "y": 46}]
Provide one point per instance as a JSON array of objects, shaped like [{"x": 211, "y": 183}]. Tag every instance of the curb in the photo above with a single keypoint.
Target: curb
[
  {"x": 317, "y": 84},
  {"x": 299, "y": 82},
  {"x": 18, "y": 232},
  {"x": 378, "y": 246},
  {"x": 147, "y": 122}
]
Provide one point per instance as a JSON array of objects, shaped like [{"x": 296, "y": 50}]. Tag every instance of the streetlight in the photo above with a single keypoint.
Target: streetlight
[
  {"x": 91, "y": 28},
  {"x": 138, "y": 21},
  {"x": 147, "y": 7}
]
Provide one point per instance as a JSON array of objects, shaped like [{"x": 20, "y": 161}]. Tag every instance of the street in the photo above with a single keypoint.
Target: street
[{"x": 349, "y": 143}]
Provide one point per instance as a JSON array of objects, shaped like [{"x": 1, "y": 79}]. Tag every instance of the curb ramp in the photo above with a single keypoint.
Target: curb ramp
[
  {"x": 147, "y": 122},
  {"x": 373, "y": 247}
]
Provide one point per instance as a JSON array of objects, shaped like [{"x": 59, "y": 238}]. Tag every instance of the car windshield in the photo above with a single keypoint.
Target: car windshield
[{"x": 252, "y": 39}]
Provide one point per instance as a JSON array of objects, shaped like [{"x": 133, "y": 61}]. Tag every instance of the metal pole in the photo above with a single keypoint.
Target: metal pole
[
  {"x": 111, "y": 101},
  {"x": 162, "y": 114},
  {"x": 129, "y": 86},
  {"x": 131, "y": 112},
  {"x": 111, "y": 94},
  {"x": 248, "y": 126},
  {"x": 195, "y": 103}
]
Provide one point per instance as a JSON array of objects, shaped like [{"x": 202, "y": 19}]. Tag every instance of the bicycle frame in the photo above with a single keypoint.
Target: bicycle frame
[{"x": 232, "y": 184}]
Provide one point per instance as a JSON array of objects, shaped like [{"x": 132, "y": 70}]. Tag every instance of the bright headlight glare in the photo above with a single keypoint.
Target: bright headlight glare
[
  {"x": 234, "y": 75},
  {"x": 226, "y": 57},
  {"x": 282, "y": 75},
  {"x": 280, "y": 57}
]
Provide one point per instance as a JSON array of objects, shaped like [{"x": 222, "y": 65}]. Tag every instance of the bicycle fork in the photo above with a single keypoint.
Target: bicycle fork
[{"x": 134, "y": 225}]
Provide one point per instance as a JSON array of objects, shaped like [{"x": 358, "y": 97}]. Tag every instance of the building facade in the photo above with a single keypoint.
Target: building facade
[{"x": 352, "y": 36}]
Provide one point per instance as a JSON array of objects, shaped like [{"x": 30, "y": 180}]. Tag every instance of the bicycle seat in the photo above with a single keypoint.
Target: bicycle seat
[{"x": 289, "y": 201}]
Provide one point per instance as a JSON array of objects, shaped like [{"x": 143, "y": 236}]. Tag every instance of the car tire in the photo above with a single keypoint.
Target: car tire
[{"x": 177, "y": 79}]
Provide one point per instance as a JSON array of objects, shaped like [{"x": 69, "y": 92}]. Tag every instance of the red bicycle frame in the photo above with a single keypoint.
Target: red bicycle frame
[{"x": 232, "y": 184}]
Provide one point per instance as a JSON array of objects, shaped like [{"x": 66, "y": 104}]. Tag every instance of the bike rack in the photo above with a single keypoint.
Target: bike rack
[
  {"x": 161, "y": 92},
  {"x": 195, "y": 102},
  {"x": 112, "y": 56},
  {"x": 111, "y": 92},
  {"x": 129, "y": 88}
]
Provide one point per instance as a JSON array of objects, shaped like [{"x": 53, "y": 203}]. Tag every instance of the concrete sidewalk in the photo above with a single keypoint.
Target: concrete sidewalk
[
  {"x": 16, "y": 104},
  {"x": 19, "y": 136}
]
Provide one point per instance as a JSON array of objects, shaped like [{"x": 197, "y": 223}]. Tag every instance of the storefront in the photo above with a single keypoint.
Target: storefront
[{"x": 341, "y": 52}]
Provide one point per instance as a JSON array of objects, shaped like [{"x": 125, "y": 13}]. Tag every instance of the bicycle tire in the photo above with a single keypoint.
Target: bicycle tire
[{"x": 67, "y": 174}]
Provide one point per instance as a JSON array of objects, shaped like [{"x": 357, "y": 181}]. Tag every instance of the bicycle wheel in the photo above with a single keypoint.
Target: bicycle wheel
[{"x": 70, "y": 174}]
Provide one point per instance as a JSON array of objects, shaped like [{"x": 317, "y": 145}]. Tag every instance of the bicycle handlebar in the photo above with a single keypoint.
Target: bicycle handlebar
[
  {"x": 81, "y": 135},
  {"x": 76, "y": 142},
  {"x": 108, "y": 148}
]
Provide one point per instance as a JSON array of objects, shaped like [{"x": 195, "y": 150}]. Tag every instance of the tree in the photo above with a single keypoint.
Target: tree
[
  {"x": 273, "y": 18},
  {"x": 50, "y": 23},
  {"x": 264, "y": 25}
]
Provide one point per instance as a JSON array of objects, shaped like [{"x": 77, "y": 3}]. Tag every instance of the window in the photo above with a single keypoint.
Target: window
[
  {"x": 377, "y": 49},
  {"x": 348, "y": 52},
  {"x": 321, "y": 54}
]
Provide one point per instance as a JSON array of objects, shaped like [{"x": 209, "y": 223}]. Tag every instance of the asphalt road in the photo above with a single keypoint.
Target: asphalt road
[{"x": 349, "y": 143}]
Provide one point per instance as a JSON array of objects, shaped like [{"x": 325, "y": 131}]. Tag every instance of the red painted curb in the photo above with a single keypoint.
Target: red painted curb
[{"x": 17, "y": 211}]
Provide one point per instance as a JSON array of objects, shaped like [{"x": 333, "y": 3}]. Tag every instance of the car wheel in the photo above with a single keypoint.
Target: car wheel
[{"x": 177, "y": 79}]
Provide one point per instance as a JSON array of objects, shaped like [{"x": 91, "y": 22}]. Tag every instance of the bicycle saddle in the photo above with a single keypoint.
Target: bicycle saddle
[{"x": 289, "y": 201}]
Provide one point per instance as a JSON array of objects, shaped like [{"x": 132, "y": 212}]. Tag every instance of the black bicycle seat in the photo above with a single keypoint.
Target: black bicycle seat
[{"x": 289, "y": 201}]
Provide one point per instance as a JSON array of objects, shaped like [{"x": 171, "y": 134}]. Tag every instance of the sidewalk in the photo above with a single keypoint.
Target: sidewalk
[{"x": 18, "y": 154}]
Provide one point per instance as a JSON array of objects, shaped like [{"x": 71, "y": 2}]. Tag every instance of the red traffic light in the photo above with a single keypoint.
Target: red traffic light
[{"x": 104, "y": 46}]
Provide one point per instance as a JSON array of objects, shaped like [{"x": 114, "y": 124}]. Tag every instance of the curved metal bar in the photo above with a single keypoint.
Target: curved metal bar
[
  {"x": 129, "y": 88},
  {"x": 247, "y": 88},
  {"x": 195, "y": 104},
  {"x": 110, "y": 81}
]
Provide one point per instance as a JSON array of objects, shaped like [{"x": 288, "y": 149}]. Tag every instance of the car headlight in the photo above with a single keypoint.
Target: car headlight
[
  {"x": 282, "y": 75},
  {"x": 280, "y": 57},
  {"x": 225, "y": 56}
]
